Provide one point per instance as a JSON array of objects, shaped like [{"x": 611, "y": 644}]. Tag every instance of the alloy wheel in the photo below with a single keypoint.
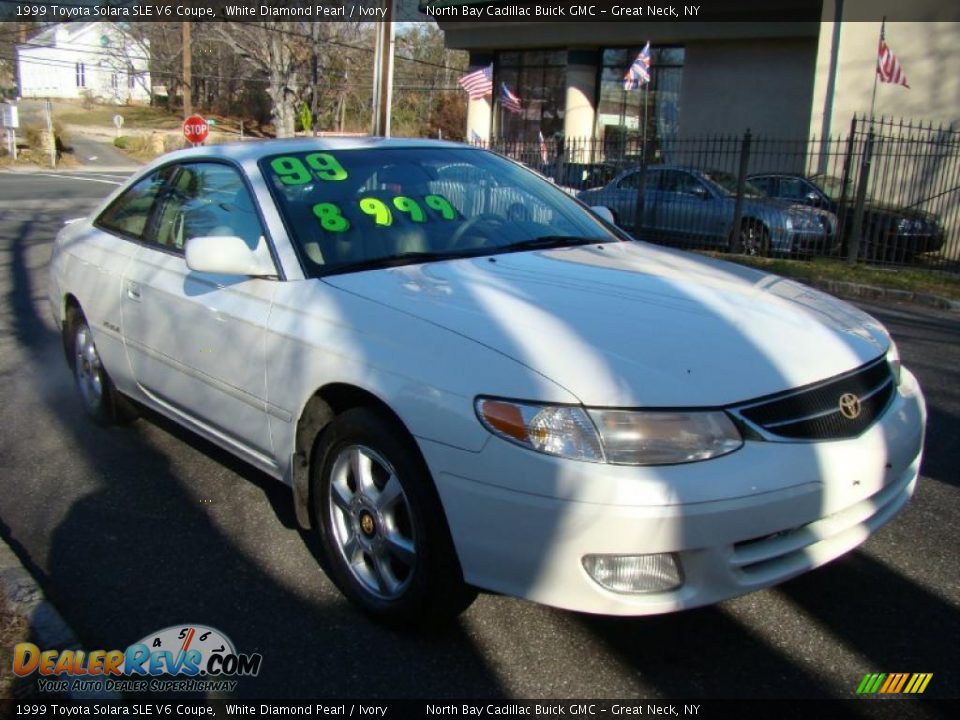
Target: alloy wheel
[{"x": 372, "y": 521}]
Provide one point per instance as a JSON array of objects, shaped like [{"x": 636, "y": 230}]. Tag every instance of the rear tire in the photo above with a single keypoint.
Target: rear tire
[{"x": 385, "y": 537}]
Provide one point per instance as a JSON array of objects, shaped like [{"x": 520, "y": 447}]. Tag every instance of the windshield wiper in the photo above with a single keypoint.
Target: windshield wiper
[
  {"x": 407, "y": 258},
  {"x": 545, "y": 242}
]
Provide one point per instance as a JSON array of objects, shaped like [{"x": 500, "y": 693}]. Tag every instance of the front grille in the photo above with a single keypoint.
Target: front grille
[{"x": 813, "y": 412}]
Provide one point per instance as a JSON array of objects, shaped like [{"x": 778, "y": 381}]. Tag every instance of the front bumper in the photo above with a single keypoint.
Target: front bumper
[
  {"x": 522, "y": 521},
  {"x": 804, "y": 242}
]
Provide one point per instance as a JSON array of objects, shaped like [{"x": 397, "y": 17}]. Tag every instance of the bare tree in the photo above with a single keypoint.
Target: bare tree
[
  {"x": 280, "y": 51},
  {"x": 166, "y": 55}
]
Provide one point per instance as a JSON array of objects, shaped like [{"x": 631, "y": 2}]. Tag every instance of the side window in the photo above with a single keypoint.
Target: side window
[
  {"x": 128, "y": 214},
  {"x": 687, "y": 183},
  {"x": 766, "y": 184},
  {"x": 632, "y": 182},
  {"x": 671, "y": 181},
  {"x": 793, "y": 189},
  {"x": 206, "y": 199}
]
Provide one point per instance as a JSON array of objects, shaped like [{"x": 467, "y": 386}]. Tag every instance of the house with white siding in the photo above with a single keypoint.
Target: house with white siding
[{"x": 92, "y": 59}]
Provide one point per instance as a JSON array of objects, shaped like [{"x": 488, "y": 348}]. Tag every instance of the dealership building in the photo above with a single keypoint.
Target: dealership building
[{"x": 779, "y": 79}]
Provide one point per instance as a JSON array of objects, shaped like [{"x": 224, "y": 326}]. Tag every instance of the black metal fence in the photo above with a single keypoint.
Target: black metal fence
[{"x": 886, "y": 192}]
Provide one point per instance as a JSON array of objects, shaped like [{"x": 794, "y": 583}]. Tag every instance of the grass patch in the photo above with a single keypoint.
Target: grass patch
[
  {"x": 136, "y": 117},
  {"x": 920, "y": 280}
]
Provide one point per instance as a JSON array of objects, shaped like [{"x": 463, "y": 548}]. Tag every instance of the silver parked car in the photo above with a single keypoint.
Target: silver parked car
[{"x": 695, "y": 208}]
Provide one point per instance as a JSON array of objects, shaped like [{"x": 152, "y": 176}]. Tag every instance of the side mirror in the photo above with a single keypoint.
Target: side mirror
[
  {"x": 229, "y": 255},
  {"x": 604, "y": 213},
  {"x": 699, "y": 191},
  {"x": 812, "y": 198}
]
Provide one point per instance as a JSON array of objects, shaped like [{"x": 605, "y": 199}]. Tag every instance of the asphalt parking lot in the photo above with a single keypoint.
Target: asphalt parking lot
[{"x": 134, "y": 529}]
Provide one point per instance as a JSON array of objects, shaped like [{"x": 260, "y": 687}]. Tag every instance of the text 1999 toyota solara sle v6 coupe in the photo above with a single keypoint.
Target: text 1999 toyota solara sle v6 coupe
[{"x": 470, "y": 380}]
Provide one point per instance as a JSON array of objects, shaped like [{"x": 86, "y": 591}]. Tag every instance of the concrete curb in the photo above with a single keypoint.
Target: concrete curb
[
  {"x": 858, "y": 291},
  {"x": 48, "y": 629}
]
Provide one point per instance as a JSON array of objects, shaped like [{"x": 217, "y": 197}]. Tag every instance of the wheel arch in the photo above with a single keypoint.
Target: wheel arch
[
  {"x": 68, "y": 303},
  {"x": 323, "y": 406}
]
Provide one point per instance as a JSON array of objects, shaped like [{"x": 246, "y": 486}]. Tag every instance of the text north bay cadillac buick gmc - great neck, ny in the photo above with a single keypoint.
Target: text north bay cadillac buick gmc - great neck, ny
[{"x": 556, "y": 11}]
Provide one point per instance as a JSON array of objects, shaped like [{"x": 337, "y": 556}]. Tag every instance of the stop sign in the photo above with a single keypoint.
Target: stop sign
[{"x": 195, "y": 129}]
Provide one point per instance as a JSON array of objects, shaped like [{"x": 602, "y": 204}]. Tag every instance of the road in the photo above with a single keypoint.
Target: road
[
  {"x": 134, "y": 529},
  {"x": 91, "y": 151}
]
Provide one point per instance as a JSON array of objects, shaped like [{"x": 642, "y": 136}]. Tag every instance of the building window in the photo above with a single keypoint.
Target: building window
[
  {"x": 114, "y": 81},
  {"x": 649, "y": 116},
  {"x": 81, "y": 75},
  {"x": 538, "y": 78}
]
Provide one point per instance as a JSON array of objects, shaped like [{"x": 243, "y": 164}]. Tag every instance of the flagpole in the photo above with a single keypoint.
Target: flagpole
[
  {"x": 873, "y": 100},
  {"x": 646, "y": 97}
]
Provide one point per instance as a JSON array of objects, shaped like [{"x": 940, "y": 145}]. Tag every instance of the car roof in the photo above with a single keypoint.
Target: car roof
[
  {"x": 256, "y": 149},
  {"x": 779, "y": 174}
]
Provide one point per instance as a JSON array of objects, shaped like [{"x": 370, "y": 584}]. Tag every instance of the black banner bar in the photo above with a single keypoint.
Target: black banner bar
[
  {"x": 483, "y": 11},
  {"x": 880, "y": 709}
]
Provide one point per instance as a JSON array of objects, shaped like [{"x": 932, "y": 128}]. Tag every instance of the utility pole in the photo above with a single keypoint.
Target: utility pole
[
  {"x": 187, "y": 71},
  {"x": 22, "y": 39},
  {"x": 314, "y": 29},
  {"x": 383, "y": 74}
]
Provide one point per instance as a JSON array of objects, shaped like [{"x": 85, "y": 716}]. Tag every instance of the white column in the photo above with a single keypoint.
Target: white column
[
  {"x": 479, "y": 115},
  {"x": 580, "y": 113},
  {"x": 478, "y": 120}
]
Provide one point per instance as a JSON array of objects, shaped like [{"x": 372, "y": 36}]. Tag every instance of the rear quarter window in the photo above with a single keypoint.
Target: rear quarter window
[{"x": 129, "y": 213}]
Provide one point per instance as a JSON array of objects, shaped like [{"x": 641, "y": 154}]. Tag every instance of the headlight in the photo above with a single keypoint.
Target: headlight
[
  {"x": 618, "y": 437},
  {"x": 914, "y": 225},
  {"x": 803, "y": 221},
  {"x": 664, "y": 438},
  {"x": 893, "y": 359}
]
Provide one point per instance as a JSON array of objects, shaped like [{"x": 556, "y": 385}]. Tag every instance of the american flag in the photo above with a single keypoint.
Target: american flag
[
  {"x": 543, "y": 146},
  {"x": 888, "y": 67},
  {"x": 478, "y": 83},
  {"x": 638, "y": 74},
  {"x": 509, "y": 101}
]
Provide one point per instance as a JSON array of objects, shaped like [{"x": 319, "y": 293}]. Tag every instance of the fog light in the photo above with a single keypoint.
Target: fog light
[{"x": 634, "y": 573}]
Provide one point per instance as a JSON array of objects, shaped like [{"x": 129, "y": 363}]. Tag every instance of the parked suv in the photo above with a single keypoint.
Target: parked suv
[{"x": 691, "y": 207}]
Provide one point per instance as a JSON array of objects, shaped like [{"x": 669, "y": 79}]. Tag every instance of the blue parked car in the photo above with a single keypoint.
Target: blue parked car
[{"x": 695, "y": 208}]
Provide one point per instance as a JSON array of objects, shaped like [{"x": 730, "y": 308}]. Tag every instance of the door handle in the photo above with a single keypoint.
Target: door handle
[{"x": 133, "y": 291}]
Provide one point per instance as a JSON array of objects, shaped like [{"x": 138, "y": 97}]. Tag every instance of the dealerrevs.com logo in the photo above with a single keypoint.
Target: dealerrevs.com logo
[{"x": 185, "y": 658}]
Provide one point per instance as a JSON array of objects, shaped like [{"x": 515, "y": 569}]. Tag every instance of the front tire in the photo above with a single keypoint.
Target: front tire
[
  {"x": 755, "y": 239},
  {"x": 384, "y": 533}
]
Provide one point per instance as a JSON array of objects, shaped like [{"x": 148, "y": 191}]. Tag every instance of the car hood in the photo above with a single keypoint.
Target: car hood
[
  {"x": 881, "y": 208},
  {"x": 631, "y": 324}
]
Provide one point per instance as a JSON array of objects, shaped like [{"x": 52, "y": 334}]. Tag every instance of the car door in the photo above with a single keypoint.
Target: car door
[
  {"x": 687, "y": 211},
  {"x": 196, "y": 340},
  {"x": 96, "y": 264},
  {"x": 624, "y": 201}
]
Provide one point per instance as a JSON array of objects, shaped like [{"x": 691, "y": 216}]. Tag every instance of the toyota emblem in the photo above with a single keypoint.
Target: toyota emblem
[{"x": 849, "y": 406}]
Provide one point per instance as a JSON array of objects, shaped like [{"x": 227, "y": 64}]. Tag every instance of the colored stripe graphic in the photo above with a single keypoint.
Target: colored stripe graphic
[
  {"x": 918, "y": 683},
  {"x": 894, "y": 683}
]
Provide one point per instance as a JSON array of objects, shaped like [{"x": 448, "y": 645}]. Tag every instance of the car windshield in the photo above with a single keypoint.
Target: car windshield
[
  {"x": 727, "y": 183},
  {"x": 359, "y": 209}
]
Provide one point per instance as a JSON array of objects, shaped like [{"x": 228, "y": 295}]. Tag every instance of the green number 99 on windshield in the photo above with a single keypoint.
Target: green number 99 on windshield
[
  {"x": 292, "y": 171},
  {"x": 326, "y": 167}
]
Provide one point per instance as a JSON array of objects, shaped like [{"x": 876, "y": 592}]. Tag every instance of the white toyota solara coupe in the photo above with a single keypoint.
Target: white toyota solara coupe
[{"x": 470, "y": 380}]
